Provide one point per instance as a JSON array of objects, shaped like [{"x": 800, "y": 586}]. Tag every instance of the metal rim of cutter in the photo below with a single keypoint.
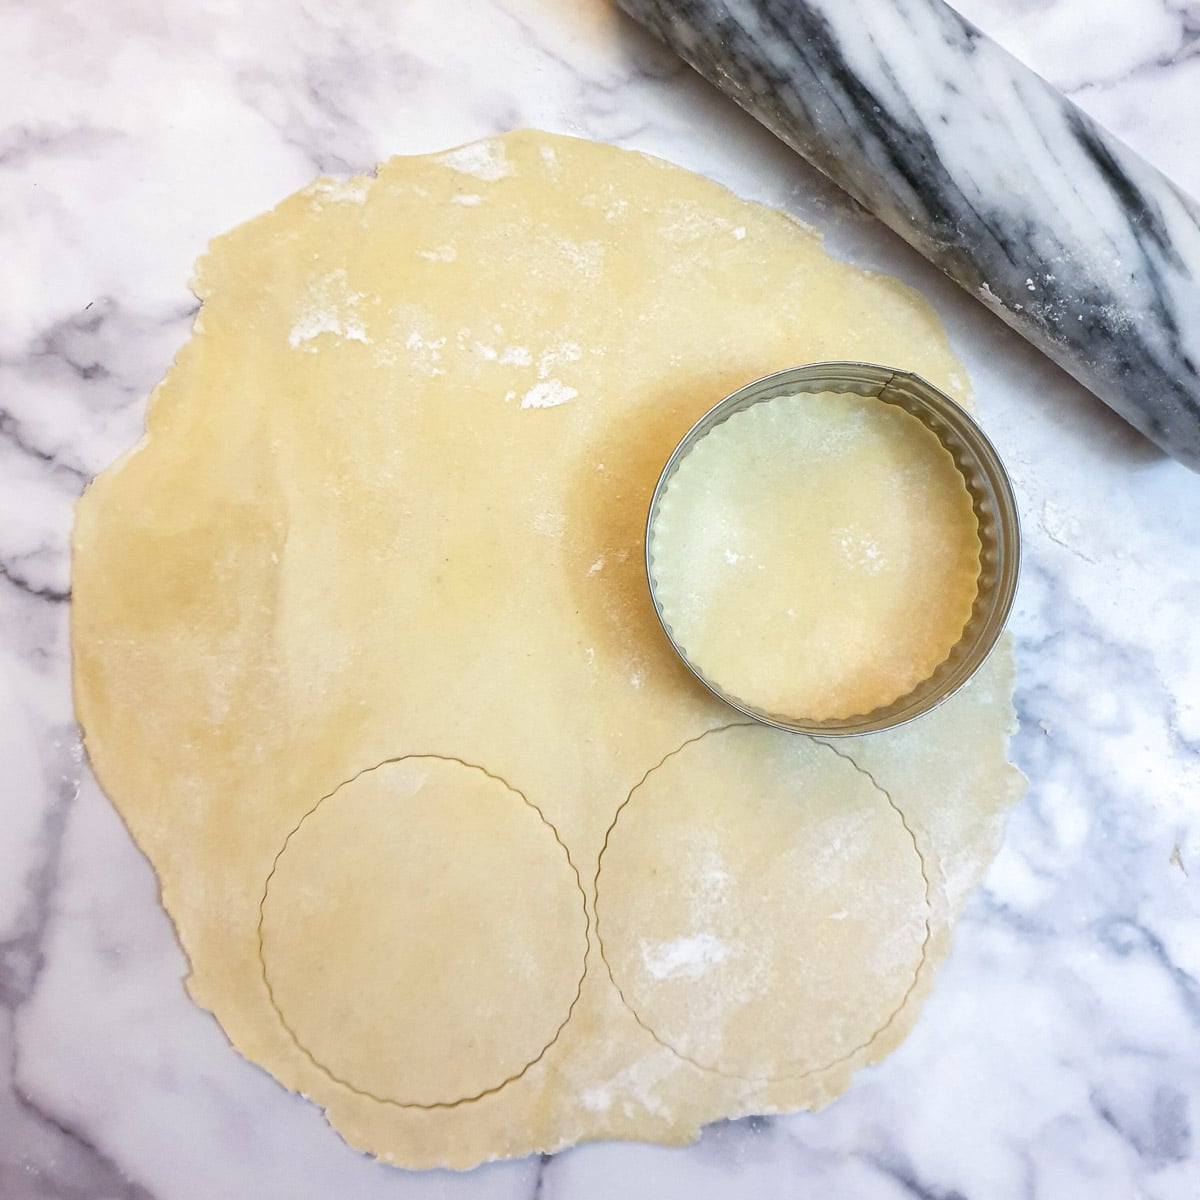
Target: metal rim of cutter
[{"x": 992, "y": 499}]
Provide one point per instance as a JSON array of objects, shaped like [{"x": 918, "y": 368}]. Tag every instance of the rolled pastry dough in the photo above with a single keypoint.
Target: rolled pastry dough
[{"x": 389, "y": 509}]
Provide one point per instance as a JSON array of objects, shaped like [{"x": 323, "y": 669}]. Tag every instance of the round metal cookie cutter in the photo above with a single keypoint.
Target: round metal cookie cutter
[{"x": 992, "y": 498}]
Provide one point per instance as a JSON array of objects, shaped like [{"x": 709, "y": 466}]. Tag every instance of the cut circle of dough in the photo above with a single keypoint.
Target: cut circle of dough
[
  {"x": 788, "y": 913},
  {"x": 423, "y": 933},
  {"x": 816, "y": 555}
]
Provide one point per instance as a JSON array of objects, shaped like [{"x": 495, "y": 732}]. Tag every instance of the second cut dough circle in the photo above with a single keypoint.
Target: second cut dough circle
[
  {"x": 423, "y": 933},
  {"x": 786, "y": 916}
]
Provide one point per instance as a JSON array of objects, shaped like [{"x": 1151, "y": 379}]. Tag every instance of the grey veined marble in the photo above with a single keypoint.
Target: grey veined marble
[{"x": 1071, "y": 238}]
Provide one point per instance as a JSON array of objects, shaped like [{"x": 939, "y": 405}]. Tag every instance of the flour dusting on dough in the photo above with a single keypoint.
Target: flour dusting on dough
[
  {"x": 566, "y": 352},
  {"x": 426, "y": 352},
  {"x": 482, "y": 160},
  {"x": 683, "y": 957},
  {"x": 636, "y": 1085},
  {"x": 860, "y": 551},
  {"x": 549, "y": 394},
  {"x": 330, "y": 307},
  {"x": 550, "y": 524},
  {"x": 342, "y": 191}
]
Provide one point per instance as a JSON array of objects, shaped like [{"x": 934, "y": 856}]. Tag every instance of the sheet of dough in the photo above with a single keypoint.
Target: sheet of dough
[{"x": 389, "y": 510}]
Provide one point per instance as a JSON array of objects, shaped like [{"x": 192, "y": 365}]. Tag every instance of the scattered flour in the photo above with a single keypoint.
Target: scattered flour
[
  {"x": 341, "y": 191},
  {"x": 861, "y": 552},
  {"x": 548, "y": 394},
  {"x": 586, "y": 257},
  {"x": 637, "y": 1084},
  {"x": 482, "y": 160},
  {"x": 439, "y": 254},
  {"x": 550, "y": 524},
  {"x": 426, "y": 352},
  {"x": 329, "y": 307},
  {"x": 683, "y": 957},
  {"x": 467, "y": 198},
  {"x": 517, "y": 356},
  {"x": 567, "y": 352}
]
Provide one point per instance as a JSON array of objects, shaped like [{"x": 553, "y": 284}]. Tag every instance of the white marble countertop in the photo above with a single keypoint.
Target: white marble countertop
[{"x": 1059, "y": 1056}]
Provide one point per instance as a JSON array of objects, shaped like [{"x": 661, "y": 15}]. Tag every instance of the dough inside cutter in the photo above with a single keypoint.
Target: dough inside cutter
[{"x": 816, "y": 555}]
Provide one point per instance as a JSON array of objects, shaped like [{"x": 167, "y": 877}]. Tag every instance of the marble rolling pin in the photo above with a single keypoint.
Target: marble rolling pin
[{"x": 1071, "y": 238}]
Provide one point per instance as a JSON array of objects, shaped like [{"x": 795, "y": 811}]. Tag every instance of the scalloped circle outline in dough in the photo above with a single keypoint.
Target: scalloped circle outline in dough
[
  {"x": 688, "y": 958},
  {"x": 548, "y": 920}
]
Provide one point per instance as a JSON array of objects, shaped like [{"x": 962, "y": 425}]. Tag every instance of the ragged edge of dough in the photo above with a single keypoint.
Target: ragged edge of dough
[
  {"x": 854, "y": 1051},
  {"x": 319, "y": 1066}
]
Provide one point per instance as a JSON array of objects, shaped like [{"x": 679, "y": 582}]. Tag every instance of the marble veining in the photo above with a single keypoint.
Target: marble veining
[
  {"x": 1059, "y": 1055},
  {"x": 1019, "y": 196}
]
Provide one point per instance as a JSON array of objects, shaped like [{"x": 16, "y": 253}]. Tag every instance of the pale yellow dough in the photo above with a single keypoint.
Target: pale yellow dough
[
  {"x": 389, "y": 514},
  {"x": 816, "y": 555}
]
